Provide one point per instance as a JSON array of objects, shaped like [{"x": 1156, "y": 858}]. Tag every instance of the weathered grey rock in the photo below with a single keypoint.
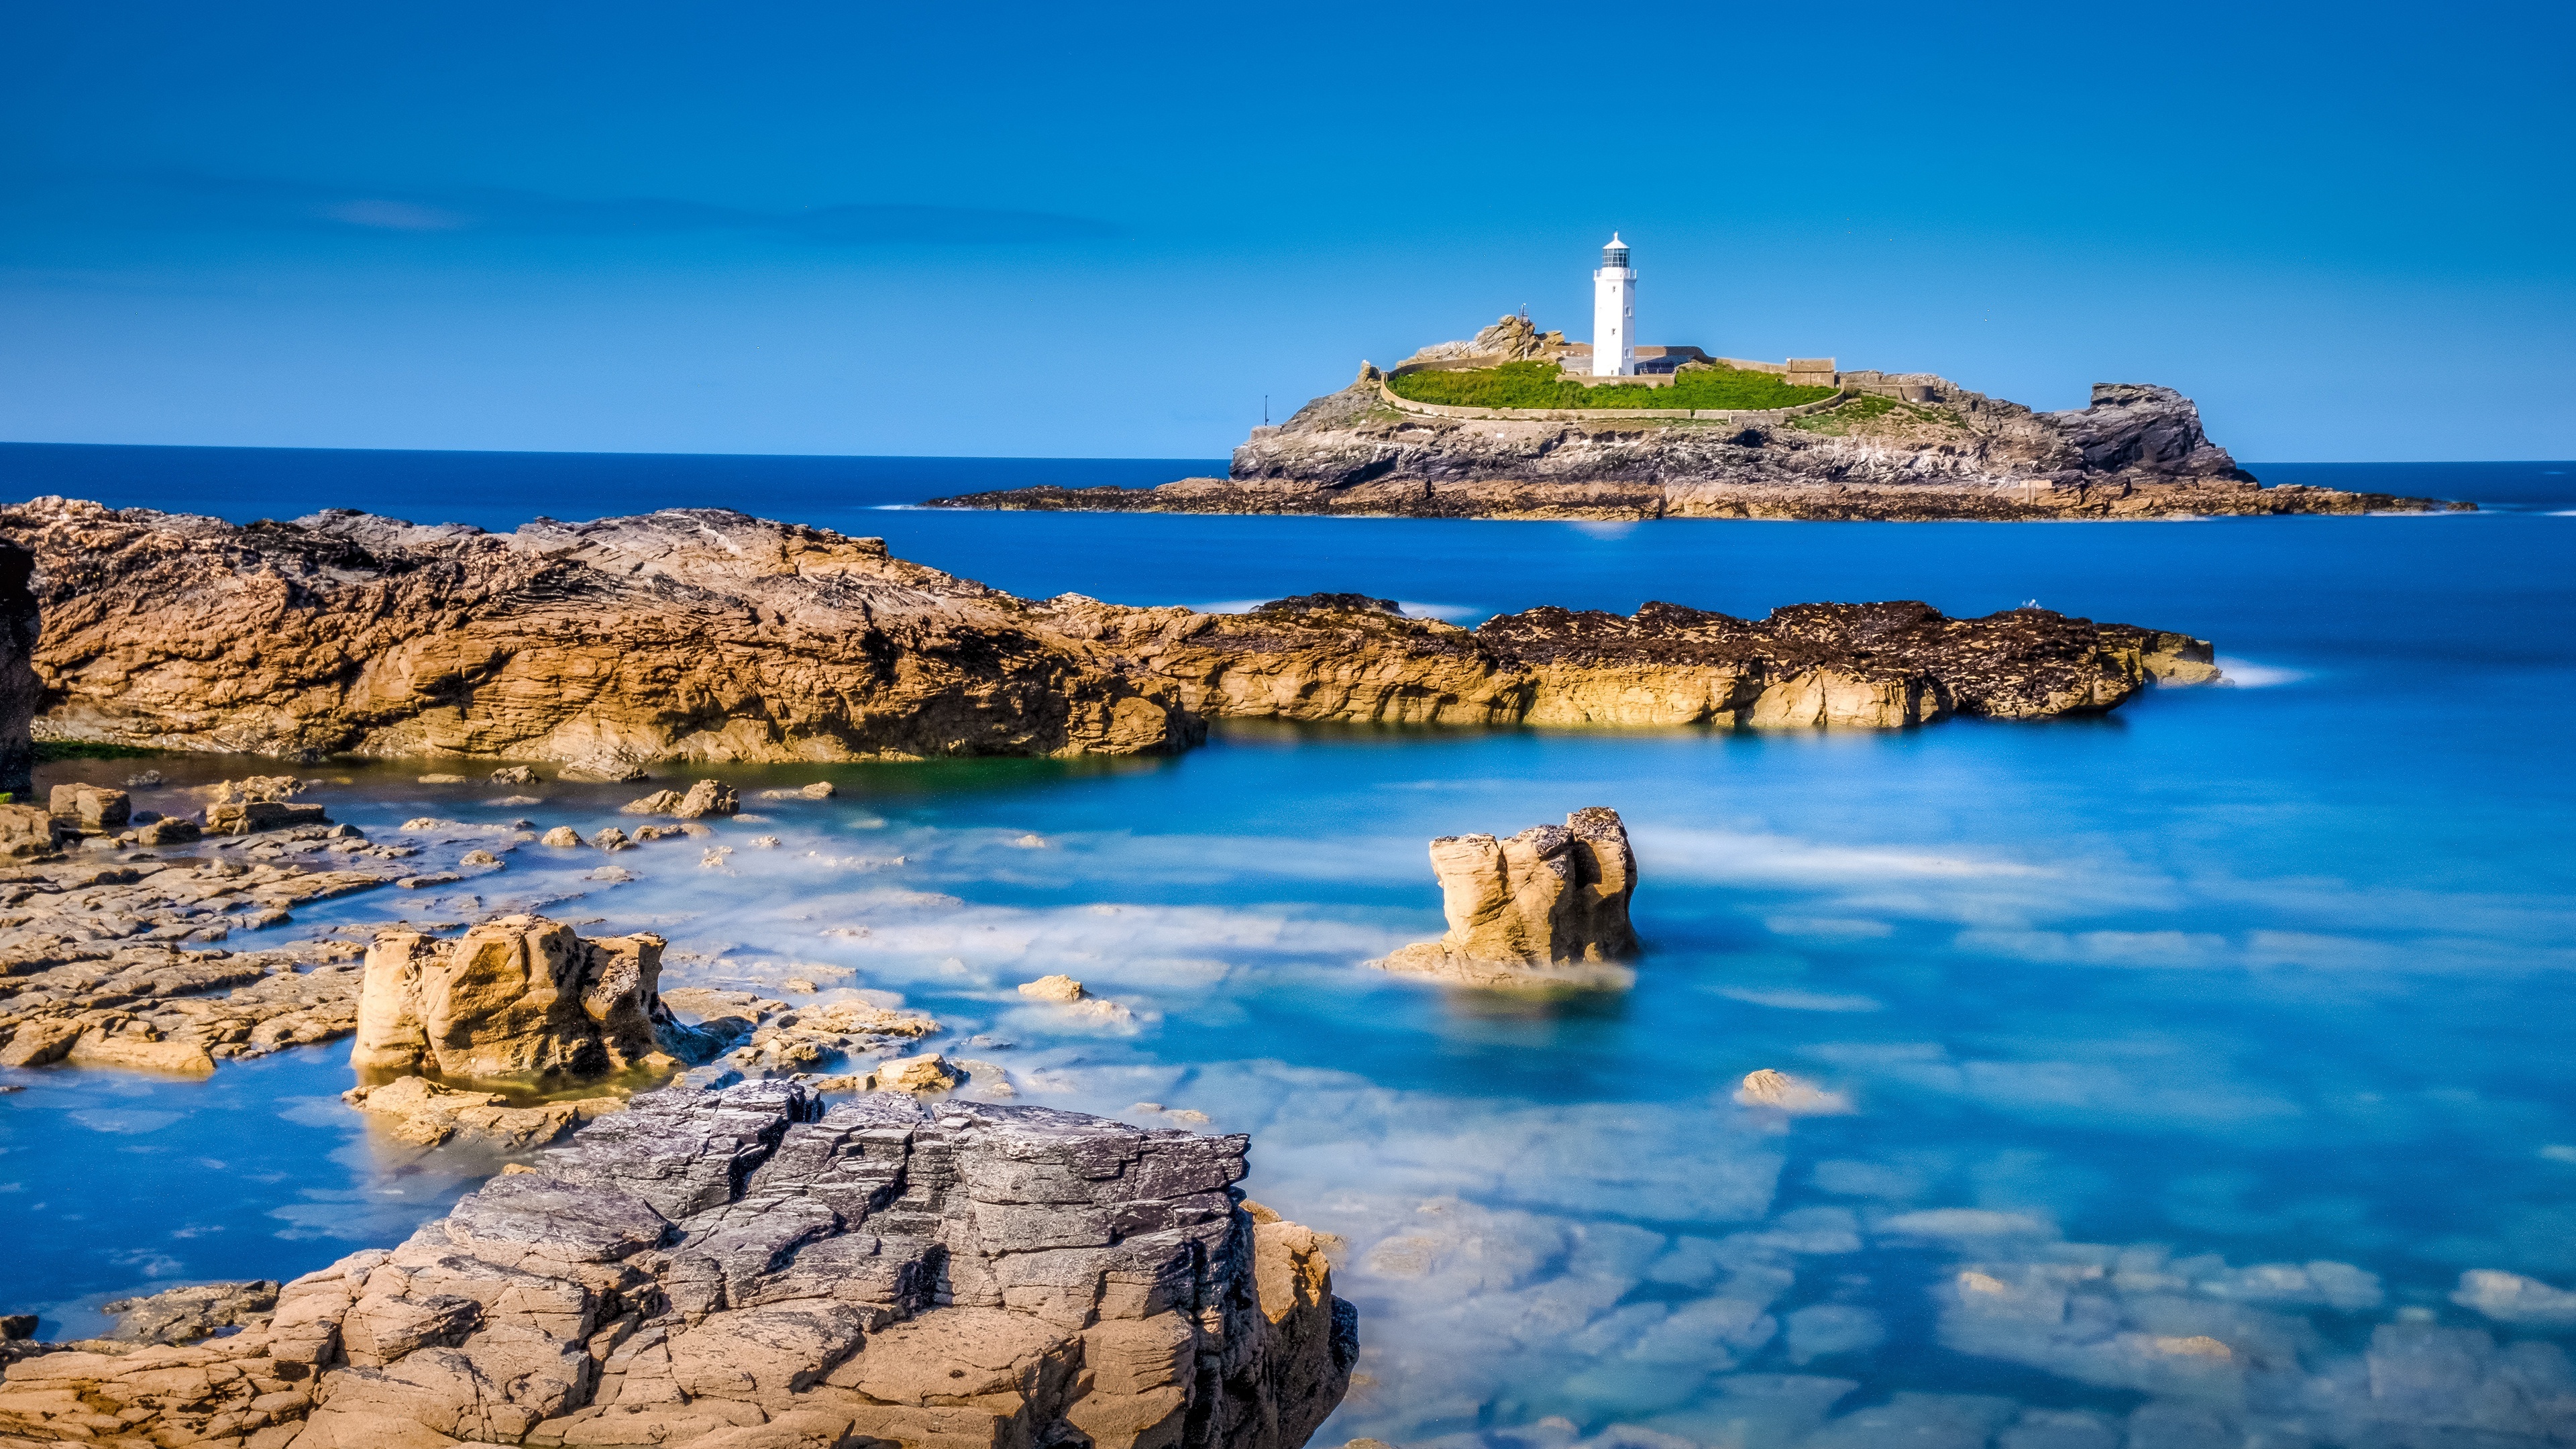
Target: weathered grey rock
[
  {"x": 744, "y": 1267},
  {"x": 1548, "y": 906},
  {"x": 517, "y": 996}
]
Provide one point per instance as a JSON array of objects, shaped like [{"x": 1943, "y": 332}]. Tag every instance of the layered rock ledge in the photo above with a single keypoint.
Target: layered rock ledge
[
  {"x": 705, "y": 635},
  {"x": 2135, "y": 451},
  {"x": 751, "y": 1269}
]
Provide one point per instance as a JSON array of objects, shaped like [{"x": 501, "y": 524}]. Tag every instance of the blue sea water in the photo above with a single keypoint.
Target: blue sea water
[{"x": 2180, "y": 1052}]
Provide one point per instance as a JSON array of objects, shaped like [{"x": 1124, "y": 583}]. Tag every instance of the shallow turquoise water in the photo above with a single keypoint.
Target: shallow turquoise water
[{"x": 2123, "y": 1008}]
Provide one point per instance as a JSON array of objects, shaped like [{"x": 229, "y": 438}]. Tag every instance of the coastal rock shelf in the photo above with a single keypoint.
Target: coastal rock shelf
[
  {"x": 2135, "y": 452},
  {"x": 747, "y": 1268},
  {"x": 701, "y": 634}
]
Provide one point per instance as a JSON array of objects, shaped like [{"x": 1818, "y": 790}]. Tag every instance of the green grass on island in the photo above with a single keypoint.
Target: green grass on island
[{"x": 1541, "y": 385}]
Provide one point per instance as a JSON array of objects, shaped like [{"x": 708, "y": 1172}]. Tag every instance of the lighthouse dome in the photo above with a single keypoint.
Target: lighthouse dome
[{"x": 1615, "y": 253}]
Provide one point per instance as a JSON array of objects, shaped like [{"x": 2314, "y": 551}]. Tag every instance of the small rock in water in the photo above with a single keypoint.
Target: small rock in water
[
  {"x": 148, "y": 780},
  {"x": 706, "y": 797},
  {"x": 1053, "y": 988},
  {"x": 798, "y": 983},
  {"x": 611, "y": 839},
  {"x": 764, "y": 842},
  {"x": 442, "y": 779},
  {"x": 514, "y": 800},
  {"x": 612, "y": 874},
  {"x": 561, "y": 836},
  {"x": 819, "y": 790},
  {"x": 1768, "y": 1088},
  {"x": 481, "y": 857},
  {"x": 1029, "y": 842},
  {"x": 514, "y": 775},
  {"x": 423, "y": 882},
  {"x": 928, "y": 1072},
  {"x": 715, "y": 860}
]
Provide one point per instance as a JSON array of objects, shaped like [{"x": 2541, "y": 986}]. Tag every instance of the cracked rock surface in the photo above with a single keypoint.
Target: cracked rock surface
[{"x": 748, "y": 1267}]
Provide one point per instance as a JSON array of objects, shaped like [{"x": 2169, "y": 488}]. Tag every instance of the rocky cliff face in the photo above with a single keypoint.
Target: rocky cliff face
[
  {"x": 2135, "y": 451},
  {"x": 693, "y": 634},
  {"x": 705, "y": 635},
  {"x": 749, "y": 1269},
  {"x": 1546, "y": 907}
]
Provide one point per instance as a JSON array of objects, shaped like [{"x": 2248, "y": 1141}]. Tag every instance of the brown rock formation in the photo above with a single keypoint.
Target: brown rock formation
[
  {"x": 697, "y": 634},
  {"x": 1547, "y": 907},
  {"x": 745, "y": 1268},
  {"x": 682, "y": 635},
  {"x": 2136, "y": 451},
  {"x": 517, "y": 996},
  {"x": 1343, "y": 657}
]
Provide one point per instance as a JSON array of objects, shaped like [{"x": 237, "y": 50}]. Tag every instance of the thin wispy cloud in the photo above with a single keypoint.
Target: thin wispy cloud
[{"x": 191, "y": 201}]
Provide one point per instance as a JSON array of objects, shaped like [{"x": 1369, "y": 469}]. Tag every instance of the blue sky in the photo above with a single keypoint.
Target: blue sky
[{"x": 1007, "y": 230}]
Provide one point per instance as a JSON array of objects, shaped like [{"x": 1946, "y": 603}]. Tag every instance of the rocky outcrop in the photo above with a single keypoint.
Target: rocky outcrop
[
  {"x": 518, "y": 996},
  {"x": 1513, "y": 338},
  {"x": 2136, "y": 451},
  {"x": 747, "y": 1269},
  {"x": 698, "y": 634},
  {"x": 692, "y": 634},
  {"x": 1546, "y": 907},
  {"x": 1347, "y": 658}
]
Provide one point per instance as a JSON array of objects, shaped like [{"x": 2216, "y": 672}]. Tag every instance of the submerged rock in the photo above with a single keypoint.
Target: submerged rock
[
  {"x": 744, "y": 1268},
  {"x": 1548, "y": 906},
  {"x": 427, "y": 1114},
  {"x": 518, "y": 996}
]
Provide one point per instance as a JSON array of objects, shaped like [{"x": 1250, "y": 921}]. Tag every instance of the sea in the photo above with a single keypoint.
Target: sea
[{"x": 2202, "y": 1073}]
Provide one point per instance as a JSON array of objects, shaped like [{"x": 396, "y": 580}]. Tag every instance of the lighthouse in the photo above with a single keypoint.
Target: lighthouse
[{"x": 1614, "y": 313}]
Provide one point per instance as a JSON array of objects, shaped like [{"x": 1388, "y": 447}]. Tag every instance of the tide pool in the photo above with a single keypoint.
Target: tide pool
[{"x": 2189, "y": 1052}]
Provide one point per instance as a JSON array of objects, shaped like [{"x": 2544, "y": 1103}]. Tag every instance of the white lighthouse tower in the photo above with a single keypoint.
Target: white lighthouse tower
[{"x": 1614, "y": 313}]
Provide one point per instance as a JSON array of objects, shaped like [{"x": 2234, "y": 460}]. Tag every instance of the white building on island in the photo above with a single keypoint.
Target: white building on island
[{"x": 1614, "y": 313}]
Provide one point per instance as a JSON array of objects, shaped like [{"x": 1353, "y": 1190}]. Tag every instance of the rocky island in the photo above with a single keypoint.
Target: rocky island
[
  {"x": 1852, "y": 445},
  {"x": 706, "y": 635}
]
